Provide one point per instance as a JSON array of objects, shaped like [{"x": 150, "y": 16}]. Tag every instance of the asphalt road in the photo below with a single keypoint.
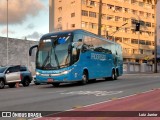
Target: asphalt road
[{"x": 69, "y": 96}]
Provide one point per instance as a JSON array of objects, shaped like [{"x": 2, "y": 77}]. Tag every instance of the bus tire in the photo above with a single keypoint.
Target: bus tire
[
  {"x": 55, "y": 84},
  {"x": 84, "y": 78},
  {"x": 114, "y": 75}
]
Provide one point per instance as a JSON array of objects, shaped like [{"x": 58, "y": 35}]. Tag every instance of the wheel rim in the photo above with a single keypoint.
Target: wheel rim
[
  {"x": 84, "y": 78},
  {"x": 1, "y": 84},
  {"x": 113, "y": 75},
  {"x": 26, "y": 83}
]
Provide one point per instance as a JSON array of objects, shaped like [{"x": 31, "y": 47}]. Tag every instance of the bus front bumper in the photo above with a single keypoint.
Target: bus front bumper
[{"x": 48, "y": 78}]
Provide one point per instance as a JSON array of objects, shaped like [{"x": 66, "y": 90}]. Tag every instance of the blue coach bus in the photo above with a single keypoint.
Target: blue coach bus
[{"x": 76, "y": 56}]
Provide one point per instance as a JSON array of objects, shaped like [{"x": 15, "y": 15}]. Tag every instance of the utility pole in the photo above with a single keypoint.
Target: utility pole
[
  {"x": 100, "y": 17},
  {"x": 7, "y": 32},
  {"x": 155, "y": 38}
]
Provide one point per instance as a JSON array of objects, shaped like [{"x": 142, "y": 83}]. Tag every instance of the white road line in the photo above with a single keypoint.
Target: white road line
[{"x": 112, "y": 100}]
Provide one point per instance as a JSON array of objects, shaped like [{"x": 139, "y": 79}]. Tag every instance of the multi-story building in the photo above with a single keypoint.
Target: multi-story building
[{"x": 118, "y": 22}]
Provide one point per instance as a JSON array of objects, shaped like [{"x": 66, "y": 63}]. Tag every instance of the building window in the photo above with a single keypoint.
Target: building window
[
  {"x": 60, "y": 9},
  {"x": 133, "y": 21},
  {"x": 84, "y": 2},
  {"x": 73, "y": 25},
  {"x": 126, "y": 19},
  {"x": 93, "y": 25},
  {"x": 142, "y": 42},
  {"x": 141, "y": 13},
  {"x": 127, "y": 30},
  {"x": 134, "y": 12},
  {"x": 148, "y": 24},
  {"x": 110, "y": 7},
  {"x": 117, "y": 18},
  {"x": 72, "y": 14},
  {"x": 73, "y": 3},
  {"x": 118, "y": 39},
  {"x": 84, "y": 24},
  {"x": 148, "y": 15},
  {"x": 84, "y": 13},
  {"x": 126, "y": 10},
  {"x": 135, "y": 51},
  {"x": 92, "y": 14},
  {"x": 92, "y": 3},
  {"x": 148, "y": 42},
  {"x": 141, "y": 4},
  {"x": 118, "y": 9},
  {"x": 134, "y": 41},
  {"x": 109, "y": 17},
  {"x": 133, "y": 1},
  {"x": 126, "y": 40},
  {"x": 59, "y": 19}
]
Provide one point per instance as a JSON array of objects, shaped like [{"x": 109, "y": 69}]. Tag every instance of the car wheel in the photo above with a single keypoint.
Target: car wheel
[
  {"x": 12, "y": 85},
  {"x": 2, "y": 84},
  {"x": 55, "y": 84},
  {"x": 26, "y": 83}
]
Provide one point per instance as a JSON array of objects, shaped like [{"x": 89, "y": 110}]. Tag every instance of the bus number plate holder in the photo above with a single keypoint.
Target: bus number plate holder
[{"x": 50, "y": 80}]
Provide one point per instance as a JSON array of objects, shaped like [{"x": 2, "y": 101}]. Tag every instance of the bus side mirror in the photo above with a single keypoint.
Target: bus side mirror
[
  {"x": 84, "y": 48},
  {"x": 77, "y": 45},
  {"x": 31, "y": 48}
]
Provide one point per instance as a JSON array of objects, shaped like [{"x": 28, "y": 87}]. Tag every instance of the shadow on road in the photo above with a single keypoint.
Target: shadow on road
[{"x": 75, "y": 84}]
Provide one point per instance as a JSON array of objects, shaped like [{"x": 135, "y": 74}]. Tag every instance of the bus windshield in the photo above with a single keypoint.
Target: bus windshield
[{"x": 53, "y": 53}]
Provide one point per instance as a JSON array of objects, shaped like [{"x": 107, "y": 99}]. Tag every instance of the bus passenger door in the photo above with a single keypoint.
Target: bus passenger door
[{"x": 110, "y": 64}]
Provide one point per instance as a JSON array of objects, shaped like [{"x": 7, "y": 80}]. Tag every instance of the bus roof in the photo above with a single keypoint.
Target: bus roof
[{"x": 75, "y": 31}]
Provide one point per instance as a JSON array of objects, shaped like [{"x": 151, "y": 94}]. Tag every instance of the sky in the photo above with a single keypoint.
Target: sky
[{"x": 26, "y": 18}]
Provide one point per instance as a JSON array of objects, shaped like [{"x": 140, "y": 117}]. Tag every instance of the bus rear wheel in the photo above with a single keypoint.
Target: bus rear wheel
[{"x": 114, "y": 75}]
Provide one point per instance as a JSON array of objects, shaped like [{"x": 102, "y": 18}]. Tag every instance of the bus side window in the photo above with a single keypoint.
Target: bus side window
[{"x": 77, "y": 37}]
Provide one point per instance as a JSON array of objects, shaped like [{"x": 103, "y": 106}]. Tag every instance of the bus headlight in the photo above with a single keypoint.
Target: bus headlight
[
  {"x": 65, "y": 72},
  {"x": 37, "y": 73}
]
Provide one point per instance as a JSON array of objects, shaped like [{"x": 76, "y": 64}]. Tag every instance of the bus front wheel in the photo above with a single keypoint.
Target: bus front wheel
[
  {"x": 55, "y": 84},
  {"x": 84, "y": 78}
]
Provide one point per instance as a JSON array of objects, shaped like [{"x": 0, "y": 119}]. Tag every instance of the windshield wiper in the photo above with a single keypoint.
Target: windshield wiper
[
  {"x": 66, "y": 65},
  {"x": 45, "y": 61},
  {"x": 56, "y": 58}
]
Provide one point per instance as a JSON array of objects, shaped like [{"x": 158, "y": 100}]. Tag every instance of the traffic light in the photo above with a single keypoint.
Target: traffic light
[{"x": 137, "y": 27}]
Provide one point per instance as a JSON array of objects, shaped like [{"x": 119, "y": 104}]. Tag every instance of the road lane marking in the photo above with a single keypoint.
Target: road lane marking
[
  {"x": 56, "y": 91},
  {"x": 96, "y": 93}
]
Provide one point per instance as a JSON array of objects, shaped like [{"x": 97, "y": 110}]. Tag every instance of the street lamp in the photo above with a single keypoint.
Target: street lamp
[{"x": 7, "y": 32}]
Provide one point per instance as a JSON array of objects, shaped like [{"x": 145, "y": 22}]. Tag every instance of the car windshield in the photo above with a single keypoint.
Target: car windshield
[
  {"x": 53, "y": 52},
  {"x": 2, "y": 69}
]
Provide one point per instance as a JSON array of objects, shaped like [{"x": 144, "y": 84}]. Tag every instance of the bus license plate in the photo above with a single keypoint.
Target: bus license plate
[{"x": 50, "y": 80}]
